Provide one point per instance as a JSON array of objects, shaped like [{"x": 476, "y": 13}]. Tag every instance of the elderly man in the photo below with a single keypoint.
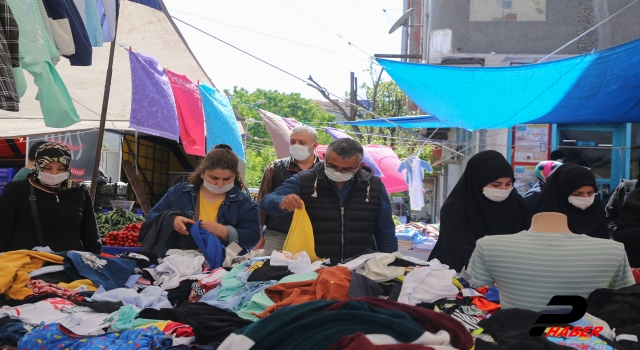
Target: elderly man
[
  {"x": 304, "y": 141},
  {"x": 348, "y": 206}
]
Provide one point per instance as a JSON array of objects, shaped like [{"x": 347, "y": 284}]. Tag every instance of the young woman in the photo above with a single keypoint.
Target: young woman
[
  {"x": 571, "y": 190},
  {"x": 213, "y": 195},
  {"x": 64, "y": 210},
  {"x": 482, "y": 203},
  {"x": 543, "y": 170}
]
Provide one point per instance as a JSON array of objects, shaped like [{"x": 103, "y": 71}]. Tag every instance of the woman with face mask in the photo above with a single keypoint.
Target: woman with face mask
[
  {"x": 63, "y": 218},
  {"x": 213, "y": 194},
  {"x": 571, "y": 190},
  {"x": 482, "y": 203}
]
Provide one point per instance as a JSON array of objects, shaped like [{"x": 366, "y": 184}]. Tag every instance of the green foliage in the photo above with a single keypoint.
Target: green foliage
[{"x": 260, "y": 151}]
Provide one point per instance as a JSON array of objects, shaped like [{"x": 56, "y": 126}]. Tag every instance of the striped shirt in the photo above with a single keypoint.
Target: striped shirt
[{"x": 531, "y": 267}]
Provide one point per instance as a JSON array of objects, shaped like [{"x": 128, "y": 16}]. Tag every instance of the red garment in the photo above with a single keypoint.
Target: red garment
[
  {"x": 482, "y": 290},
  {"x": 430, "y": 320},
  {"x": 178, "y": 330},
  {"x": 485, "y": 305},
  {"x": 332, "y": 284},
  {"x": 42, "y": 288},
  {"x": 190, "y": 113},
  {"x": 199, "y": 289},
  {"x": 105, "y": 255},
  {"x": 636, "y": 274},
  {"x": 359, "y": 341}
]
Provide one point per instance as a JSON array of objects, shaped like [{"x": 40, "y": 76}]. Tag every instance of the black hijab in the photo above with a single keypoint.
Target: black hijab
[
  {"x": 555, "y": 198},
  {"x": 467, "y": 215}
]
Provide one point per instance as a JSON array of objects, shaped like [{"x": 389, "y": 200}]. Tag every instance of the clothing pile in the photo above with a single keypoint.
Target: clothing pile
[
  {"x": 417, "y": 236},
  {"x": 255, "y": 301}
]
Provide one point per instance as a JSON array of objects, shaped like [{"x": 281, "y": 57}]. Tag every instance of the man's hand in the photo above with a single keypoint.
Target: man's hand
[
  {"x": 180, "y": 224},
  {"x": 291, "y": 202}
]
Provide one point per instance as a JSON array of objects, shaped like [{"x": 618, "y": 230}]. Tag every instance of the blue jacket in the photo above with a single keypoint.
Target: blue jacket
[
  {"x": 238, "y": 212},
  {"x": 385, "y": 228}
]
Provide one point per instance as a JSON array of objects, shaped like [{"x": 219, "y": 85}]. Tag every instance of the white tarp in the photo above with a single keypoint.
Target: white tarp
[{"x": 145, "y": 30}]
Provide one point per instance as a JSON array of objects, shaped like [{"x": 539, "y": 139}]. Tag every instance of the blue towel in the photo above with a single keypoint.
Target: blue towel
[
  {"x": 209, "y": 245},
  {"x": 220, "y": 121}
]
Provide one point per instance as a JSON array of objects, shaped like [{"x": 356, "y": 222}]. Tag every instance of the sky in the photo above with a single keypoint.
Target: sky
[{"x": 328, "y": 24}]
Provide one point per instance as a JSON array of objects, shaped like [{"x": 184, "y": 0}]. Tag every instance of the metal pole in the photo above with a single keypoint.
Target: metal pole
[{"x": 103, "y": 115}]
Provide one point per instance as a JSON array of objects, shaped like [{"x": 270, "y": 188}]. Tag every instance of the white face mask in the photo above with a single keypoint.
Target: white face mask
[
  {"x": 299, "y": 152},
  {"x": 215, "y": 189},
  {"x": 582, "y": 202},
  {"x": 337, "y": 176},
  {"x": 52, "y": 180},
  {"x": 495, "y": 194}
]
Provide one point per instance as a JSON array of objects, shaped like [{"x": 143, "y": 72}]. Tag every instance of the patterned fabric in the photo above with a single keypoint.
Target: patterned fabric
[
  {"x": 199, "y": 289},
  {"x": 52, "y": 152},
  {"x": 220, "y": 120},
  {"x": 9, "y": 58},
  {"x": 52, "y": 336},
  {"x": 43, "y": 288},
  {"x": 153, "y": 107},
  {"x": 544, "y": 169}
]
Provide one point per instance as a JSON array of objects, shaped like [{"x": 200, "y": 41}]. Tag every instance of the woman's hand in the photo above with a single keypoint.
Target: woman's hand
[
  {"x": 260, "y": 244},
  {"x": 216, "y": 229},
  {"x": 180, "y": 224}
]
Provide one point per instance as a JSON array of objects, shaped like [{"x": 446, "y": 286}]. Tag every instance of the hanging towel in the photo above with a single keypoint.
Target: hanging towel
[
  {"x": 190, "y": 115},
  {"x": 220, "y": 120},
  {"x": 107, "y": 10},
  {"x": 153, "y": 108},
  {"x": 367, "y": 159},
  {"x": 292, "y": 122},
  {"x": 36, "y": 51},
  {"x": 88, "y": 10},
  {"x": 9, "y": 58},
  {"x": 414, "y": 175},
  {"x": 279, "y": 132}
]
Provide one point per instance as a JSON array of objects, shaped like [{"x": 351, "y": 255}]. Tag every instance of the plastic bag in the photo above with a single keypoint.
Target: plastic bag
[{"x": 300, "y": 237}]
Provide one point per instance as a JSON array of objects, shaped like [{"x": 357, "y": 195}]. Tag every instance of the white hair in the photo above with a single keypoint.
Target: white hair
[{"x": 307, "y": 129}]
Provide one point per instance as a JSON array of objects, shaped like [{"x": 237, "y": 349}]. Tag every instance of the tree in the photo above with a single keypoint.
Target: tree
[{"x": 260, "y": 150}]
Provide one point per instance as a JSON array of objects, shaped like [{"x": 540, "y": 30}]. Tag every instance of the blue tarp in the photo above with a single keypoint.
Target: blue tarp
[
  {"x": 599, "y": 87},
  {"x": 417, "y": 121}
]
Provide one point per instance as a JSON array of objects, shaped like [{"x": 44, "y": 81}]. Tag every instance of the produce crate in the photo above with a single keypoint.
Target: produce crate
[
  {"x": 1, "y": 188},
  {"x": 113, "y": 250},
  {"x": 6, "y": 175}
]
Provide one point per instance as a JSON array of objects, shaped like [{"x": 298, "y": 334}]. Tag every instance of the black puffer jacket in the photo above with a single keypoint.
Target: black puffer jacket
[
  {"x": 68, "y": 221},
  {"x": 628, "y": 227}
]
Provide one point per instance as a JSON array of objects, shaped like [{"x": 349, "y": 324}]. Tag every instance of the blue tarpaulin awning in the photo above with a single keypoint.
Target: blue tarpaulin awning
[
  {"x": 599, "y": 87},
  {"x": 416, "y": 121}
]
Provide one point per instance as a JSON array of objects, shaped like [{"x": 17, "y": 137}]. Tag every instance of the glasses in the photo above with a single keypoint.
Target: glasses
[{"x": 337, "y": 169}]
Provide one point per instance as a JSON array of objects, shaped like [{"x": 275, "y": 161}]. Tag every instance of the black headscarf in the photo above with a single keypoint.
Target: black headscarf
[
  {"x": 467, "y": 215},
  {"x": 555, "y": 198}
]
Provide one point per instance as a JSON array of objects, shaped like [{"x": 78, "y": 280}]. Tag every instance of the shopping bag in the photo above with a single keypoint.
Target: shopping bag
[{"x": 300, "y": 235}]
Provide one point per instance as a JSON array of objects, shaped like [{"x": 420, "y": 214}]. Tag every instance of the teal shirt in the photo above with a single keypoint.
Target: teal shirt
[
  {"x": 531, "y": 267},
  {"x": 22, "y": 174}
]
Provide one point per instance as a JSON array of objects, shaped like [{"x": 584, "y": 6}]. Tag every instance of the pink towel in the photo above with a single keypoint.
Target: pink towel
[
  {"x": 190, "y": 115},
  {"x": 279, "y": 132}
]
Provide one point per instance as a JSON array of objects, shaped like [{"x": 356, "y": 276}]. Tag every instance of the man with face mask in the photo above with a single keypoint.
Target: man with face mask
[
  {"x": 348, "y": 206},
  {"x": 304, "y": 141}
]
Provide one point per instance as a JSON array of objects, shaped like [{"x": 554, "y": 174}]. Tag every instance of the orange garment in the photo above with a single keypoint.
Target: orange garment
[
  {"x": 332, "y": 284},
  {"x": 15, "y": 267},
  {"x": 485, "y": 305}
]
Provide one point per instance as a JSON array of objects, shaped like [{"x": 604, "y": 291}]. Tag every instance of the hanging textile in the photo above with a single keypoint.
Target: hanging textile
[
  {"x": 190, "y": 115},
  {"x": 48, "y": 27},
  {"x": 414, "y": 174},
  {"x": 339, "y": 134},
  {"x": 220, "y": 121},
  {"x": 9, "y": 58},
  {"x": 57, "y": 17},
  {"x": 153, "y": 108},
  {"x": 88, "y": 10},
  {"x": 63, "y": 13},
  {"x": 279, "y": 132},
  {"x": 36, "y": 51},
  {"x": 107, "y": 10},
  {"x": 292, "y": 122}
]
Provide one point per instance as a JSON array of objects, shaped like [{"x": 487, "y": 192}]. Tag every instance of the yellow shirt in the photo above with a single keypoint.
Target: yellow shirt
[{"x": 209, "y": 210}]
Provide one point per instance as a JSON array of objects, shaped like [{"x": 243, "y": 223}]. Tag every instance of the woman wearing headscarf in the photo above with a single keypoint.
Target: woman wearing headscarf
[
  {"x": 571, "y": 190},
  {"x": 63, "y": 219},
  {"x": 482, "y": 203},
  {"x": 543, "y": 170}
]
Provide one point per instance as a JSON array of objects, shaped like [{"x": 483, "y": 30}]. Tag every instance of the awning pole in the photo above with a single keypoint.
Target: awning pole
[{"x": 103, "y": 115}]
